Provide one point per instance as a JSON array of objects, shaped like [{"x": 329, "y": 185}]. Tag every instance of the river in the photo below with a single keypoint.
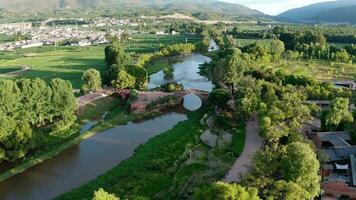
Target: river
[{"x": 90, "y": 158}]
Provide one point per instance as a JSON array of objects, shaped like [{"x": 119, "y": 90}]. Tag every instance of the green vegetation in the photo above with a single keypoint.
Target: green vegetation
[
  {"x": 168, "y": 72},
  {"x": 152, "y": 167},
  {"x": 69, "y": 63},
  {"x": 238, "y": 140},
  {"x": 100, "y": 194},
  {"x": 33, "y": 115},
  {"x": 224, "y": 191},
  {"x": 91, "y": 80},
  {"x": 47, "y": 63},
  {"x": 6, "y": 38},
  {"x": 6, "y": 69}
]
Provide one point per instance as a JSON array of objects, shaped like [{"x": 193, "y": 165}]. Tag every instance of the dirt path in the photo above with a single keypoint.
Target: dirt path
[{"x": 253, "y": 143}]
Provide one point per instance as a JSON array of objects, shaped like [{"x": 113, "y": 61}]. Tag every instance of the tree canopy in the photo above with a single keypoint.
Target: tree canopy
[{"x": 91, "y": 80}]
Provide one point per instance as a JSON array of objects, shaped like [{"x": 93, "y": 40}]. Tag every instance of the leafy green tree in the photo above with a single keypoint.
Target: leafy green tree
[
  {"x": 233, "y": 69},
  {"x": 168, "y": 72},
  {"x": 339, "y": 112},
  {"x": 35, "y": 101},
  {"x": 140, "y": 75},
  {"x": 63, "y": 101},
  {"x": 301, "y": 166},
  {"x": 91, "y": 80},
  {"x": 124, "y": 80},
  {"x": 9, "y": 97},
  {"x": 114, "y": 54},
  {"x": 286, "y": 190},
  {"x": 224, "y": 191},
  {"x": 219, "y": 97},
  {"x": 100, "y": 194},
  {"x": 276, "y": 49},
  {"x": 247, "y": 98},
  {"x": 342, "y": 56}
]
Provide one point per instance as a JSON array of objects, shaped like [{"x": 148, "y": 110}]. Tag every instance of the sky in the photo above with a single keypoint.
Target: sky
[{"x": 275, "y": 7}]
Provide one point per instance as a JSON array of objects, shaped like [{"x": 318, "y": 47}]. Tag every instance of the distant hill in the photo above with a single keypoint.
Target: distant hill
[
  {"x": 198, "y": 7},
  {"x": 340, "y": 11}
]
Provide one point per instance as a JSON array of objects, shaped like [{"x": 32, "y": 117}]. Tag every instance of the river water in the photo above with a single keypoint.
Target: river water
[
  {"x": 87, "y": 160},
  {"x": 186, "y": 72}
]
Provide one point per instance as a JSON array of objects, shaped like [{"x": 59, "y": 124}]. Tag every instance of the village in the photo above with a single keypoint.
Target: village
[{"x": 82, "y": 33}]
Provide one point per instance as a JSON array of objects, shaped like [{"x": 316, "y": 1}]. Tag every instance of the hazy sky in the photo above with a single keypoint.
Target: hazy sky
[{"x": 274, "y": 7}]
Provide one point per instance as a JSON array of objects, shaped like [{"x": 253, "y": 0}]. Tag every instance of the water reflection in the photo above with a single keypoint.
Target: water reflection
[{"x": 186, "y": 72}]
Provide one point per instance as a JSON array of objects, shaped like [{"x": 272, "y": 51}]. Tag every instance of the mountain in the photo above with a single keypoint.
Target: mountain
[
  {"x": 340, "y": 11},
  {"x": 193, "y": 6}
]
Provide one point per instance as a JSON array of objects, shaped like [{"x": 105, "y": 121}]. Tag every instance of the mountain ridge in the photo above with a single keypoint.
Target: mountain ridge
[
  {"x": 328, "y": 12},
  {"x": 170, "y": 5}
]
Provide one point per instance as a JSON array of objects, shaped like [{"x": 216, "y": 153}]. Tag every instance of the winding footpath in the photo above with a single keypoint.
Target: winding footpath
[{"x": 253, "y": 143}]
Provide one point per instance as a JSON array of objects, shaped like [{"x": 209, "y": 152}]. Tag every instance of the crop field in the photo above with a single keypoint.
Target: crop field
[{"x": 69, "y": 63}]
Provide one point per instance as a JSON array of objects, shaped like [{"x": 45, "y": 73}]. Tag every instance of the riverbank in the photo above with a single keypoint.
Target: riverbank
[
  {"x": 115, "y": 117},
  {"x": 151, "y": 169}
]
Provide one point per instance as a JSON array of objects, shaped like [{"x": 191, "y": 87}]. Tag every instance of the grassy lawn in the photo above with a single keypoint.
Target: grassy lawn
[
  {"x": 157, "y": 65},
  {"x": 67, "y": 63},
  {"x": 6, "y": 38},
  {"x": 320, "y": 69},
  {"x": 95, "y": 110},
  {"x": 151, "y": 169},
  {"x": 6, "y": 69}
]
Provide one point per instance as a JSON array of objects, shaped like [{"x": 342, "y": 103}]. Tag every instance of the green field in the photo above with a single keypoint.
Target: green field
[
  {"x": 6, "y": 38},
  {"x": 47, "y": 63},
  {"x": 320, "y": 69},
  {"x": 69, "y": 63},
  {"x": 245, "y": 42},
  {"x": 6, "y": 69}
]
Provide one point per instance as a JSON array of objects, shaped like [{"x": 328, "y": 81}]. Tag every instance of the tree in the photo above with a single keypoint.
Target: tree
[
  {"x": 124, "y": 80},
  {"x": 35, "y": 101},
  {"x": 276, "y": 49},
  {"x": 219, "y": 97},
  {"x": 342, "y": 56},
  {"x": 233, "y": 69},
  {"x": 224, "y": 191},
  {"x": 301, "y": 166},
  {"x": 63, "y": 101},
  {"x": 339, "y": 112},
  {"x": 91, "y": 80},
  {"x": 286, "y": 190},
  {"x": 247, "y": 98},
  {"x": 140, "y": 75},
  {"x": 168, "y": 72},
  {"x": 9, "y": 97},
  {"x": 114, "y": 54},
  {"x": 100, "y": 194}
]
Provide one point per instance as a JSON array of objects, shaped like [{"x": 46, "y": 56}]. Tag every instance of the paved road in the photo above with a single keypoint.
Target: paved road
[{"x": 253, "y": 143}]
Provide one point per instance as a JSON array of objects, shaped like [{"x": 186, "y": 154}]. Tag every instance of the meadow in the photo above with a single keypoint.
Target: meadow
[
  {"x": 319, "y": 69},
  {"x": 69, "y": 62}
]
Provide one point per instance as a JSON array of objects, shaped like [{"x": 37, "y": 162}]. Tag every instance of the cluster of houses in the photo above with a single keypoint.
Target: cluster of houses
[
  {"x": 337, "y": 152},
  {"x": 52, "y": 35}
]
